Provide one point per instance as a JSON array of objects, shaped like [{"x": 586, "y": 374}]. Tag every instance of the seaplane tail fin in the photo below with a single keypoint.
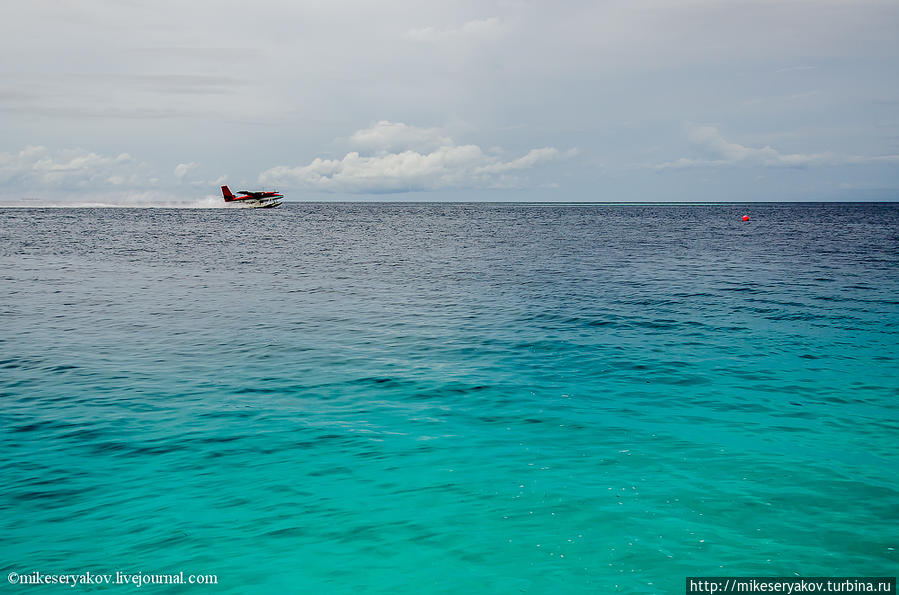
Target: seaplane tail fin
[{"x": 226, "y": 192}]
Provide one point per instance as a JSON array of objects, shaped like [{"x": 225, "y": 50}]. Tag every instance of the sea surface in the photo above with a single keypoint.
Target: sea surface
[{"x": 450, "y": 398}]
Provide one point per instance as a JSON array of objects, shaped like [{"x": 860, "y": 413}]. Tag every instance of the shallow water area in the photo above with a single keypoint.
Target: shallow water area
[{"x": 451, "y": 397}]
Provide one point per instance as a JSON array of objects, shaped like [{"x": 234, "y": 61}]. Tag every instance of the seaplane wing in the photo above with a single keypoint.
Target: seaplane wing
[{"x": 260, "y": 194}]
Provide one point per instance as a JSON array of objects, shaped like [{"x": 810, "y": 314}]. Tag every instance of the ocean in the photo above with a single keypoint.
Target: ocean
[{"x": 450, "y": 398}]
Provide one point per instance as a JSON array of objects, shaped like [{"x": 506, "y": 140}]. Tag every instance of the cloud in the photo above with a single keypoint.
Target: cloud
[
  {"x": 182, "y": 169},
  {"x": 715, "y": 151},
  {"x": 70, "y": 167},
  {"x": 109, "y": 180},
  {"x": 533, "y": 157},
  {"x": 201, "y": 84},
  {"x": 389, "y": 136},
  {"x": 116, "y": 96},
  {"x": 94, "y": 112},
  {"x": 478, "y": 29},
  {"x": 398, "y": 163}
]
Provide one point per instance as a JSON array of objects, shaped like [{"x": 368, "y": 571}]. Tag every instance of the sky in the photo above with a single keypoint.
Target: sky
[{"x": 161, "y": 102}]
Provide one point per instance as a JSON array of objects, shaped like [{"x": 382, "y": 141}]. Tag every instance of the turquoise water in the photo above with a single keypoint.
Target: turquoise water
[{"x": 456, "y": 398}]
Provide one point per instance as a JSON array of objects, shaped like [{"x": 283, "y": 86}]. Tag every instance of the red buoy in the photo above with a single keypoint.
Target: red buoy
[{"x": 745, "y": 217}]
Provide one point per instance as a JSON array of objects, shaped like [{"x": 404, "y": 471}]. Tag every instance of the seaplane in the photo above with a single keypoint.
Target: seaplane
[{"x": 253, "y": 200}]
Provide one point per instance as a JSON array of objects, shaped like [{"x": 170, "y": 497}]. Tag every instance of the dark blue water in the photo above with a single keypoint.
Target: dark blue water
[{"x": 450, "y": 397}]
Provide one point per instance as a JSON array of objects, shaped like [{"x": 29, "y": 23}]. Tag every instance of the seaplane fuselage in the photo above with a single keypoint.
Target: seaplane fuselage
[{"x": 253, "y": 200}]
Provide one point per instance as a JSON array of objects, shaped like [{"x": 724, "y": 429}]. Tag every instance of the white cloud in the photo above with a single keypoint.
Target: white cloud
[
  {"x": 398, "y": 163},
  {"x": 390, "y": 136},
  {"x": 182, "y": 169},
  {"x": 533, "y": 157},
  {"x": 715, "y": 151},
  {"x": 69, "y": 167},
  {"x": 478, "y": 29}
]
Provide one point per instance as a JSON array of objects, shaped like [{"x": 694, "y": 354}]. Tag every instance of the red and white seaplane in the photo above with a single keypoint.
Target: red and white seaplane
[{"x": 253, "y": 200}]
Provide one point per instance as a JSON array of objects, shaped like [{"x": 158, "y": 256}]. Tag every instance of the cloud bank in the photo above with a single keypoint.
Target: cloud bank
[
  {"x": 396, "y": 157},
  {"x": 39, "y": 177},
  {"x": 36, "y": 165},
  {"x": 716, "y": 151}
]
